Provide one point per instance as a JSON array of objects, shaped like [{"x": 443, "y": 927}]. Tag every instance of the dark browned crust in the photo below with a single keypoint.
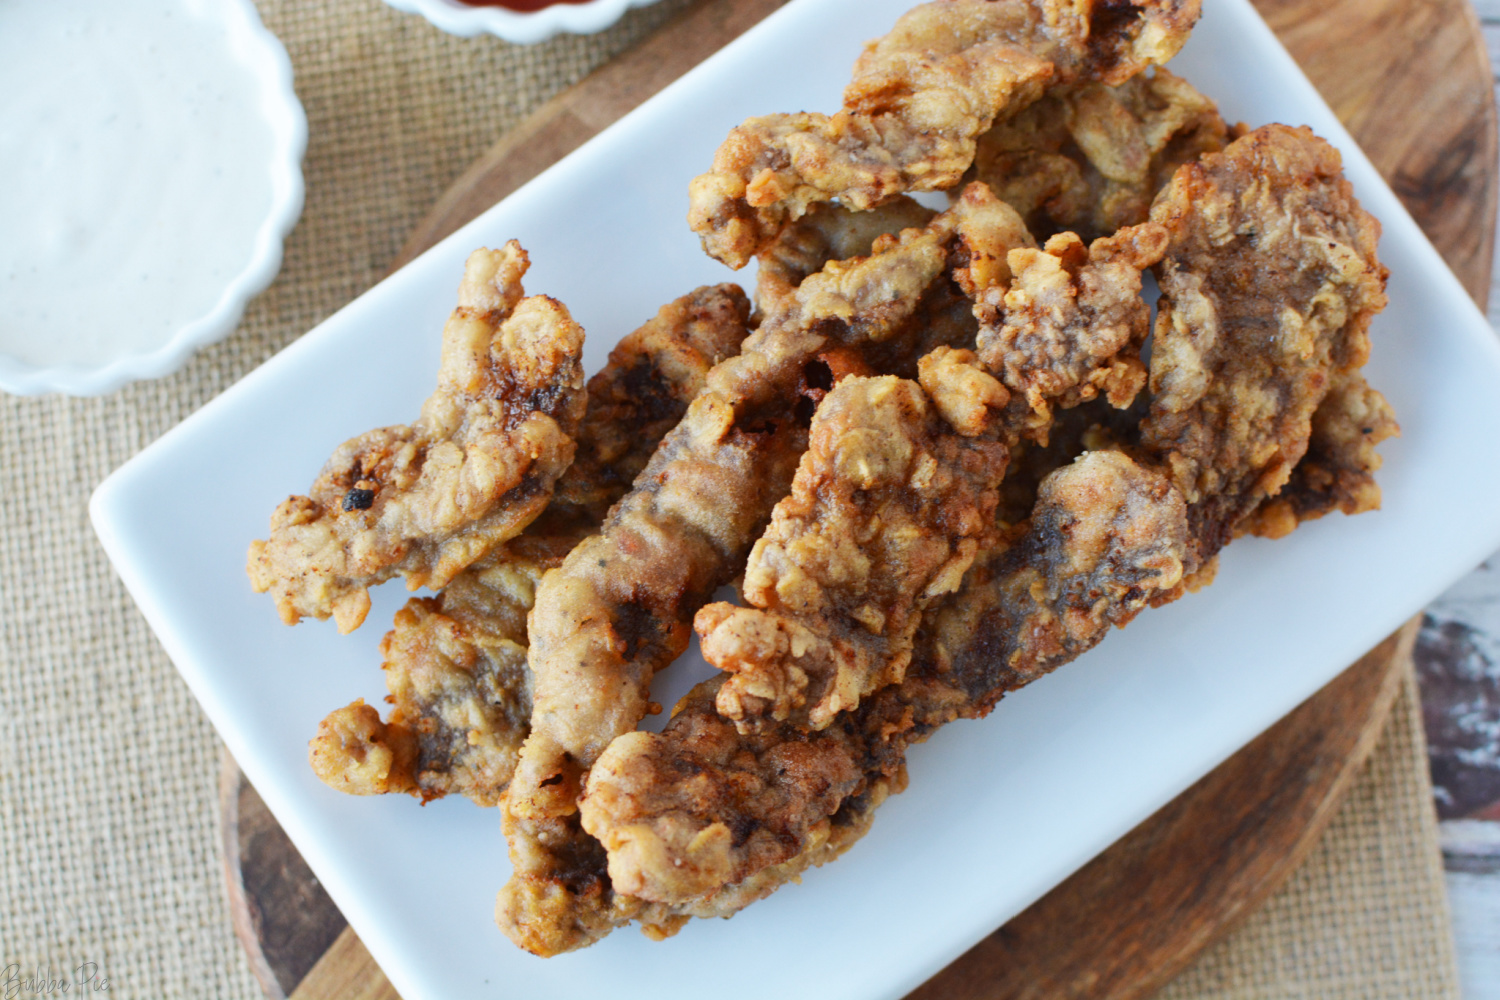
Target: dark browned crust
[
  {"x": 456, "y": 664},
  {"x": 427, "y": 500},
  {"x": 1338, "y": 471},
  {"x": 641, "y": 394},
  {"x": 1268, "y": 289},
  {"x": 1090, "y": 158},
  {"x": 620, "y": 607},
  {"x": 920, "y": 98},
  {"x": 1112, "y": 533}
]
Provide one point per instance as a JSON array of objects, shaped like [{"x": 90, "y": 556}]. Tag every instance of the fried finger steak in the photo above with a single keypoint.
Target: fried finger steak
[
  {"x": 701, "y": 805},
  {"x": 864, "y": 543},
  {"x": 455, "y": 664},
  {"x": 827, "y": 232},
  {"x": 1073, "y": 315},
  {"x": 479, "y": 464},
  {"x": 621, "y": 606},
  {"x": 1338, "y": 471},
  {"x": 894, "y": 498},
  {"x": 639, "y": 395},
  {"x": 1089, "y": 158},
  {"x": 1070, "y": 326},
  {"x": 1268, "y": 289},
  {"x": 919, "y": 100}
]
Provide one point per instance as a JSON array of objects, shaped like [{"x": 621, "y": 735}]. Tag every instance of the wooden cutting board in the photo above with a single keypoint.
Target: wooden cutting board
[{"x": 1411, "y": 80}]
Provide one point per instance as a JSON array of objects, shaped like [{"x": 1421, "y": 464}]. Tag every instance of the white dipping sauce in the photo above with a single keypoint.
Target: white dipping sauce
[{"x": 133, "y": 174}]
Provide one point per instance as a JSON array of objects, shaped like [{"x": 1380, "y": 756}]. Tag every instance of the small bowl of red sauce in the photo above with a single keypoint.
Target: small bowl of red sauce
[{"x": 522, "y": 21}]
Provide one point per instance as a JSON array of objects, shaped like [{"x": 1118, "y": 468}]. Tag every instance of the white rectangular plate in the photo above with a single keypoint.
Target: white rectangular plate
[{"x": 998, "y": 812}]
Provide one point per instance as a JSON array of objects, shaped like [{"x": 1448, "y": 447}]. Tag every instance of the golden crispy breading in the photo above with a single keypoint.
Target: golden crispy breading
[
  {"x": 456, "y": 664},
  {"x": 987, "y": 231},
  {"x": 1091, "y": 426},
  {"x": 1110, "y": 535},
  {"x": 641, "y": 393},
  {"x": 701, "y": 806},
  {"x": 889, "y": 507},
  {"x": 649, "y": 795},
  {"x": 1268, "y": 288},
  {"x": 562, "y": 899},
  {"x": 851, "y": 822},
  {"x": 1070, "y": 326},
  {"x": 827, "y": 233},
  {"x": 478, "y": 466},
  {"x": 356, "y": 753},
  {"x": 832, "y": 233},
  {"x": 580, "y": 906},
  {"x": 1090, "y": 158},
  {"x": 456, "y": 669},
  {"x": 920, "y": 98},
  {"x": 1337, "y": 473},
  {"x": 620, "y": 607}
]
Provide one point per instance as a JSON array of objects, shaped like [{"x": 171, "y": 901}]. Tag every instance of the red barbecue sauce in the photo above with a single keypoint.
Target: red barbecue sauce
[{"x": 523, "y": 5}]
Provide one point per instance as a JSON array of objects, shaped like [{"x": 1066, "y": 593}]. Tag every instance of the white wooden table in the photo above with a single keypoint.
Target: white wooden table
[{"x": 1459, "y": 659}]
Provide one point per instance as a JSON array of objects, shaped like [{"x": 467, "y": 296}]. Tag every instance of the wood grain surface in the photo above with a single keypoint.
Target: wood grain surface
[
  {"x": 1412, "y": 81},
  {"x": 1130, "y": 920}
]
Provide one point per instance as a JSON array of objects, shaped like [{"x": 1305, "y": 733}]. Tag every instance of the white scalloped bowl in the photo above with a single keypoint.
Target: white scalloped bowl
[
  {"x": 268, "y": 169},
  {"x": 514, "y": 26}
]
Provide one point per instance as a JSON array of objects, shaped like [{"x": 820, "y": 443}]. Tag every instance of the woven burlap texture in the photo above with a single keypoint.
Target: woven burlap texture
[{"x": 108, "y": 844}]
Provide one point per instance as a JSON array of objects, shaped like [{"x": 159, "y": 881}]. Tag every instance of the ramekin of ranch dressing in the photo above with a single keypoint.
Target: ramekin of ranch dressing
[{"x": 150, "y": 166}]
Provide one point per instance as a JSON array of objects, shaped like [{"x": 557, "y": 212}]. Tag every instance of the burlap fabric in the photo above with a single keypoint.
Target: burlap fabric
[
  {"x": 108, "y": 844},
  {"x": 1366, "y": 915}
]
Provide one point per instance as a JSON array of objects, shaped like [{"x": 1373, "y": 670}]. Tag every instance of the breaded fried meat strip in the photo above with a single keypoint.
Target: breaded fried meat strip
[
  {"x": 456, "y": 664},
  {"x": 1070, "y": 326},
  {"x": 827, "y": 232},
  {"x": 478, "y": 466},
  {"x": 1269, "y": 286},
  {"x": 702, "y": 805},
  {"x": 1338, "y": 471},
  {"x": 894, "y": 498},
  {"x": 920, "y": 98},
  {"x": 621, "y": 606},
  {"x": 1090, "y": 158},
  {"x": 1073, "y": 319},
  {"x": 640, "y": 394}
]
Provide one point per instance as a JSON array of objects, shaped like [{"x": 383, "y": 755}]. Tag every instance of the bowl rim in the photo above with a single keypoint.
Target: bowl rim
[
  {"x": 264, "y": 56},
  {"x": 516, "y": 26}
]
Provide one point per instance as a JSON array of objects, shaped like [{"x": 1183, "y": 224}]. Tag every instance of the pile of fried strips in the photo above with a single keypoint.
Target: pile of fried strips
[{"x": 932, "y": 455}]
